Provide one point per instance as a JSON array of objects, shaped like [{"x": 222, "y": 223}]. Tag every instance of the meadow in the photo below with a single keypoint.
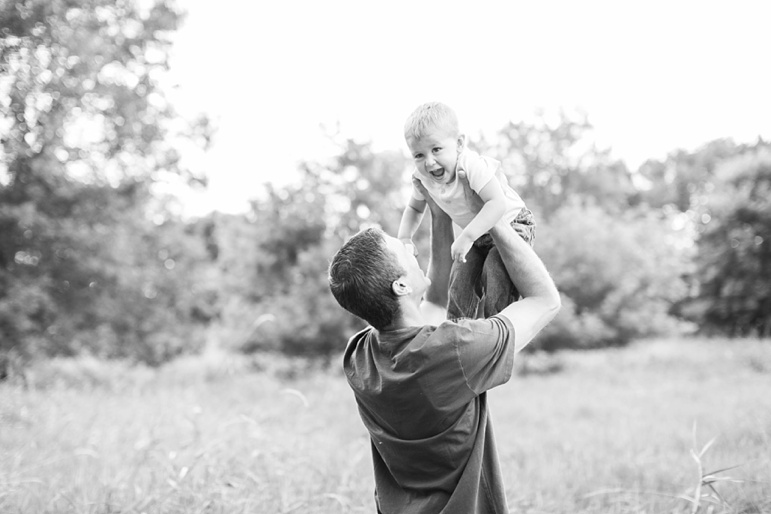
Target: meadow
[{"x": 629, "y": 430}]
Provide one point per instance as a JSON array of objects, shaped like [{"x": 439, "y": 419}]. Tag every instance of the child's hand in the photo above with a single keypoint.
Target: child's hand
[
  {"x": 460, "y": 248},
  {"x": 410, "y": 245}
]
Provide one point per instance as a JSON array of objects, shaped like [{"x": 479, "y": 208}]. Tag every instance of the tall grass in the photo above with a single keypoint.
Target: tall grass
[{"x": 611, "y": 431}]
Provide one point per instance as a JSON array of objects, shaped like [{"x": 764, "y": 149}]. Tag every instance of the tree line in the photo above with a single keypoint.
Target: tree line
[{"x": 94, "y": 259}]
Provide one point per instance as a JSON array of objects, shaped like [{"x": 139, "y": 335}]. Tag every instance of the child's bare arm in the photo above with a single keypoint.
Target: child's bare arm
[
  {"x": 411, "y": 218},
  {"x": 493, "y": 210}
]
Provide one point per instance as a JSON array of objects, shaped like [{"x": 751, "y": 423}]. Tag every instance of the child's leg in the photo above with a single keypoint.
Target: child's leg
[
  {"x": 499, "y": 290},
  {"x": 524, "y": 225},
  {"x": 466, "y": 285}
]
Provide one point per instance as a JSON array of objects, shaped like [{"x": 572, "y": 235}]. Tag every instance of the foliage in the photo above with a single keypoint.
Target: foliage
[
  {"x": 553, "y": 162},
  {"x": 93, "y": 260},
  {"x": 722, "y": 189},
  {"x": 365, "y": 188},
  {"x": 306, "y": 319},
  {"x": 273, "y": 261},
  {"x": 685, "y": 179},
  {"x": 618, "y": 267},
  {"x": 86, "y": 131},
  {"x": 618, "y": 275},
  {"x": 617, "y": 258},
  {"x": 734, "y": 259}
]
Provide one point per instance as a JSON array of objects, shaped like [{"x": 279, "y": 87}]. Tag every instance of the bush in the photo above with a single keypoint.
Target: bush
[
  {"x": 618, "y": 275},
  {"x": 304, "y": 319}
]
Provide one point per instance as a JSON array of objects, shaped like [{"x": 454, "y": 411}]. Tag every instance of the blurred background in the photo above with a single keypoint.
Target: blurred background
[
  {"x": 178, "y": 174},
  {"x": 175, "y": 177}
]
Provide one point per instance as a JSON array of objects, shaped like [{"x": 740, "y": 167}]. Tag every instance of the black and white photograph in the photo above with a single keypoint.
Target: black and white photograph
[{"x": 406, "y": 257}]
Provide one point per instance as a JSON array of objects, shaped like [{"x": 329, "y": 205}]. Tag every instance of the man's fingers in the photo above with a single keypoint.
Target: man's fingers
[{"x": 418, "y": 184}]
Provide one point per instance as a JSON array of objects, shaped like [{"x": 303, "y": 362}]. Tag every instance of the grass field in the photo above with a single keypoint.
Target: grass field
[{"x": 601, "y": 432}]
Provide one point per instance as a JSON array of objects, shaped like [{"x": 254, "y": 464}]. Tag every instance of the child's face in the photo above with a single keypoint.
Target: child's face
[{"x": 436, "y": 155}]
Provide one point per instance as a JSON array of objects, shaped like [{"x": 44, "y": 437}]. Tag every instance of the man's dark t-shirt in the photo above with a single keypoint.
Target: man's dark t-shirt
[{"x": 421, "y": 395}]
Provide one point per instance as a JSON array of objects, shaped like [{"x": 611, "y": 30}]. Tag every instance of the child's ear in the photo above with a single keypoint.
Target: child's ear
[{"x": 461, "y": 142}]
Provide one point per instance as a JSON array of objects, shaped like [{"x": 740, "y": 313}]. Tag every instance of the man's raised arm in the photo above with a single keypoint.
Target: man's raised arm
[
  {"x": 540, "y": 299},
  {"x": 434, "y": 305}
]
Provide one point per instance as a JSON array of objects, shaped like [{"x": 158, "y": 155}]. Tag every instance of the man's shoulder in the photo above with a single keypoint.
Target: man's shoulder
[
  {"x": 362, "y": 334},
  {"x": 356, "y": 340},
  {"x": 411, "y": 339},
  {"x": 474, "y": 331},
  {"x": 467, "y": 329},
  {"x": 427, "y": 336}
]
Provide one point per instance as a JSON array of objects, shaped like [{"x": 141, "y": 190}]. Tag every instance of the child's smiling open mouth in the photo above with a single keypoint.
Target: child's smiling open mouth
[{"x": 438, "y": 173}]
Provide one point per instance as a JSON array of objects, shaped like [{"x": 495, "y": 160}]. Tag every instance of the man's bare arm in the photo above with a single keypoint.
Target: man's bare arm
[
  {"x": 411, "y": 218},
  {"x": 540, "y": 299},
  {"x": 435, "y": 300}
]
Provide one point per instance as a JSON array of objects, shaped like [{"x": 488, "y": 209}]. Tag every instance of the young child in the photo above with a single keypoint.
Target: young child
[{"x": 439, "y": 150}]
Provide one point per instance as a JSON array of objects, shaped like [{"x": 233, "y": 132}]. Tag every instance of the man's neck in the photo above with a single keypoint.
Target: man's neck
[{"x": 409, "y": 315}]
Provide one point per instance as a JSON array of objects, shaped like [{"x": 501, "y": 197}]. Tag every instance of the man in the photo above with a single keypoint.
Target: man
[{"x": 419, "y": 380}]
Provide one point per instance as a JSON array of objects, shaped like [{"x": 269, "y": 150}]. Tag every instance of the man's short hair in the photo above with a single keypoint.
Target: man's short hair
[
  {"x": 428, "y": 117},
  {"x": 361, "y": 275}
]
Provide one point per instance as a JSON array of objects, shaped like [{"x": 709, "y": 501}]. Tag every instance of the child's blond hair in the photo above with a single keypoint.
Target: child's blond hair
[{"x": 430, "y": 116}]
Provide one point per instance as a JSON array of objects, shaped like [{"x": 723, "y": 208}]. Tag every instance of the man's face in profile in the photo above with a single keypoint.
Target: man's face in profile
[{"x": 405, "y": 255}]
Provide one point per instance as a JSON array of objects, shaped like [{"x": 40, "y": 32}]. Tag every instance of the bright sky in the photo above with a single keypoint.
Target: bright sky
[{"x": 653, "y": 76}]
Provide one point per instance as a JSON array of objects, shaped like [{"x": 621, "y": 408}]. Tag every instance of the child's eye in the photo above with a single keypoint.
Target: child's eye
[
  {"x": 437, "y": 149},
  {"x": 418, "y": 155}
]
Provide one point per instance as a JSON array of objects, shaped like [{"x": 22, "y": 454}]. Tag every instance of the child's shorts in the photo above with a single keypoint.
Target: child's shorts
[{"x": 523, "y": 224}]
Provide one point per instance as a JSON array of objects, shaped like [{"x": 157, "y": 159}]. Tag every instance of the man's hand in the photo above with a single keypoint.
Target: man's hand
[{"x": 409, "y": 244}]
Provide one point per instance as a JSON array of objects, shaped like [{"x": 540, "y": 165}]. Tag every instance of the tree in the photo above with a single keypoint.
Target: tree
[
  {"x": 733, "y": 278},
  {"x": 86, "y": 133},
  {"x": 284, "y": 302},
  {"x": 684, "y": 179},
  {"x": 550, "y": 164},
  {"x": 619, "y": 275},
  {"x": 616, "y": 266},
  {"x": 721, "y": 190}
]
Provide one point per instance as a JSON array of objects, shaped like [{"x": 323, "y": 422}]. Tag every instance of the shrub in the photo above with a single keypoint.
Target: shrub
[{"x": 618, "y": 275}]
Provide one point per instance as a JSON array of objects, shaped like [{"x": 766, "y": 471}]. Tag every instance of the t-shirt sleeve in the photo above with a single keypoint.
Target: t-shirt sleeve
[
  {"x": 479, "y": 169},
  {"x": 485, "y": 351}
]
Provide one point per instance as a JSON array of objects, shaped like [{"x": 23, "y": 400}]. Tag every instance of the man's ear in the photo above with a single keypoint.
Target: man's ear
[
  {"x": 400, "y": 288},
  {"x": 461, "y": 142}
]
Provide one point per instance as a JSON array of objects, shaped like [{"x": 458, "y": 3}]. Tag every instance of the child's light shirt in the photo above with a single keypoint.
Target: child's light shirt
[{"x": 480, "y": 170}]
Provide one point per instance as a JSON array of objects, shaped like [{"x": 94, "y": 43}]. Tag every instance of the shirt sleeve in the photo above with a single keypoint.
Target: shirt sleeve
[
  {"x": 479, "y": 169},
  {"x": 485, "y": 351}
]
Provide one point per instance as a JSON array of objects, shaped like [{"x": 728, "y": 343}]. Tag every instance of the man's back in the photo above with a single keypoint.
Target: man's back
[{"x": 420, "y": 393}]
